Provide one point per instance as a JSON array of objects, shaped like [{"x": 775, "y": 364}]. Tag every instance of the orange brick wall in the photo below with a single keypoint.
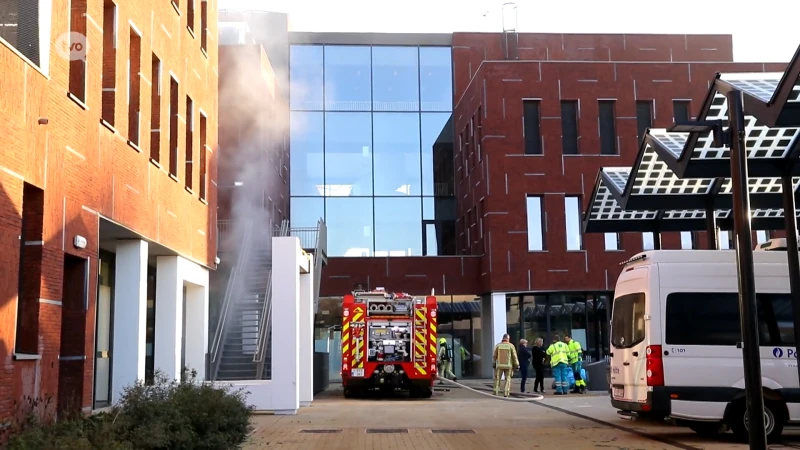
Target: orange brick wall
[{"x": 87, "y": 170}]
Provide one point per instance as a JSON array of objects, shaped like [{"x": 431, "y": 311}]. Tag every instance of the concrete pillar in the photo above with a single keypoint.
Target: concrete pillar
[
  {"x": 286, "y": 253},
  {"x": 196, "y": 327},
  {"x": 306, "y": 351},
  {"x": 493, "y": 325},
  {"x": 130, "y": 315},
  {"x": 169, "y": 317}
]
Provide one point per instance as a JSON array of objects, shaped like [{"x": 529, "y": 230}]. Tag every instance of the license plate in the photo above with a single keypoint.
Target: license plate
[
  {"x": 357, "y": 372},
  {"x": 619, "y": 392}
]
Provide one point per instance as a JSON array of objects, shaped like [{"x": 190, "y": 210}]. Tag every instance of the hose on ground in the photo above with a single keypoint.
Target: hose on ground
[{"x": 533, "y": 398}]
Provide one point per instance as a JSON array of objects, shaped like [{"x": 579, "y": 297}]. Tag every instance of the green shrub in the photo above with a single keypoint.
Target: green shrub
[{"x": 166, "y": 415}]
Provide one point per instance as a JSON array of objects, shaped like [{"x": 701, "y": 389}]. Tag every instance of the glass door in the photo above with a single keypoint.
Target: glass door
[{"x": 103, "y": 331}]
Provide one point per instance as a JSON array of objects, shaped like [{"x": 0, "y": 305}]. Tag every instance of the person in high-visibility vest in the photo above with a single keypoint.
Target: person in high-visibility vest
[
  {"x": 505, "y": 363},
  {"x": 575, "y": 357},
  {"x": 559, "y": 360}
]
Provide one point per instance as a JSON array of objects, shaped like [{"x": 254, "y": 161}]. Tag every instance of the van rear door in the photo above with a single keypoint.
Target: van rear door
[{"x": 628, "y": 348}]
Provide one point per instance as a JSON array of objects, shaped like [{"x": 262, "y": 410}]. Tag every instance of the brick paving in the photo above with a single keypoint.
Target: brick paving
[{"x": 494, "y": 424}]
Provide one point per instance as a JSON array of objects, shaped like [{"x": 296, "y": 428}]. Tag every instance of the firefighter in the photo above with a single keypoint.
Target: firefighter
[
  {"x": 575, "y": 357},
  {"x": 505, "y": 363},
  {"x": 559, "y": 360},
  {"x": 445, "y": 361}
]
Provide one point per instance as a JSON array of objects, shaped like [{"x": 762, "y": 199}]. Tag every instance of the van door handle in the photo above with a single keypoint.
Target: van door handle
[
  {"x": 635, "y": 353},
  {"x": 626, "y": 363}
]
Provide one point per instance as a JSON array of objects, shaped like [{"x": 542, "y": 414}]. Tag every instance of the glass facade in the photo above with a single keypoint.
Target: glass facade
[{"x": 369, "y": 140}]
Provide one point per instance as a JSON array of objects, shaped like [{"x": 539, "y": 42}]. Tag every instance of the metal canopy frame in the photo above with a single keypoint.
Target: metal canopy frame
[
  {"x": 768, "y": 147},
  {"x": 776, "y": 103}
]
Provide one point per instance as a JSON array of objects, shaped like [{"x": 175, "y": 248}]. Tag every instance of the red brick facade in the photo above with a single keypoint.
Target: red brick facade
[
  {"x": 85, "y": 170},
  {"x": 492, "y": 184}
]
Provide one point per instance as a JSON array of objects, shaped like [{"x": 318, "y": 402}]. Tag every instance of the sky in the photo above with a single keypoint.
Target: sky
[{"x": 761, "y": 29}]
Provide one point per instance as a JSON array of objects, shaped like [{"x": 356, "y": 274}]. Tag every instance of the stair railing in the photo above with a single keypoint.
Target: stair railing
[
  {"x": 265, "y": 324},
  {"x": 230, "y": 291},
  {"x": 320, "y": 253}
]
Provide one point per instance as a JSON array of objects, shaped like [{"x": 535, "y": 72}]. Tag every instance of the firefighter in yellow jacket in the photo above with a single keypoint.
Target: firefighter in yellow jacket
[{"x": 505, "y": 363}]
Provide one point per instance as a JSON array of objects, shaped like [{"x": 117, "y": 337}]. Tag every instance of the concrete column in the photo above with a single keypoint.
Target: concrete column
[
  {"x": 169, "y": 317},
  {"x": 306, "y": 351},
  {"x": 130, "y": 315},
  {"x": 493, "y": 326},
  {"x": 286, "y": 261},
  {"x": 196, "y": 328}
]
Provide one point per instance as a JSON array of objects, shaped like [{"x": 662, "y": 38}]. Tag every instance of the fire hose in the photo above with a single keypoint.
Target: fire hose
[{"x": 532, "y": 398}]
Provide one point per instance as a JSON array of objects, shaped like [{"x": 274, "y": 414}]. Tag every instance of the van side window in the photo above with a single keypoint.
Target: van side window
[
  {"x": 627, "y": 321},
  {"x": 712, "y": 318}
]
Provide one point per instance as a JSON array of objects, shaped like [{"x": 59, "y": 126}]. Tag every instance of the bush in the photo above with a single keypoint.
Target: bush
[{"x": 165, "y": 415}]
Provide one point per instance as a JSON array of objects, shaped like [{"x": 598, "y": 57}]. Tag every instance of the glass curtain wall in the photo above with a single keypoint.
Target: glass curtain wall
[{"x": 364, "y": 120}]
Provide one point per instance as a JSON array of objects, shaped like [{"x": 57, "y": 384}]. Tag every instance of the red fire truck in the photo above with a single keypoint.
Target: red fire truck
[{"x": 388, "y": 343}]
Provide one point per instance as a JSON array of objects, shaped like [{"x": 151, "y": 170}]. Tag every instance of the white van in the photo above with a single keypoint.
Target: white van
[{"x": 676, "y": 340}]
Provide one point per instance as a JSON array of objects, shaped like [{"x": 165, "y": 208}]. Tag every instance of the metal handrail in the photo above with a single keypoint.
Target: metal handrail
[
  {"x": 229, "y": 294},
  {"x": 321, "y": 248},
  {"x": 266, "y": 313}
]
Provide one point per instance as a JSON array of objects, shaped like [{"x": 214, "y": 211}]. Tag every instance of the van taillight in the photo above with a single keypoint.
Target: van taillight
[{"x": 655, "y": 366}]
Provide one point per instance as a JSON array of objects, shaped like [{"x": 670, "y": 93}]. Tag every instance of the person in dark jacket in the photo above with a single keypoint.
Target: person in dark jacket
[
  {"x": 524, "y": 362},
  {"x": 538, "y": 356}
]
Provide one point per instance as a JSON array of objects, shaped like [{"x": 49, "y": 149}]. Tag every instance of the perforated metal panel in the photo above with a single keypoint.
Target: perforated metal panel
[
  {"x": 605, "y": 207},
  {"x": 672, "y": 142},
  {"x": 759, "y": 85},
  {"x": 618, "y": 176},
  {"x": 759, "y": 185}
]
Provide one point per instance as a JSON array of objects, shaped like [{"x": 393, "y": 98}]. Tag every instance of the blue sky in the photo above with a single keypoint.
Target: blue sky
[{"x": 768, "y": 38}]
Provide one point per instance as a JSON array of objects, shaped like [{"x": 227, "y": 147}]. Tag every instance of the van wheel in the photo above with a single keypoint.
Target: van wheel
[
  {"x": 773, "y": 420},
  {"x": 705, "y": 429}
]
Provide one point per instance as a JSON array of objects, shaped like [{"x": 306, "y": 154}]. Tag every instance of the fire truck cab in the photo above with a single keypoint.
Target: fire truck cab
[{"x": 388, "y": 343}]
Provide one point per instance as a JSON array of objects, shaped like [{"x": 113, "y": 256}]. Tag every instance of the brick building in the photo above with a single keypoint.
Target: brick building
[{"x": 107, "y": 194}]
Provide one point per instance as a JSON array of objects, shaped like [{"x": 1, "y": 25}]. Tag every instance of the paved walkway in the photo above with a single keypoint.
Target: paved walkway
[{"x": 450, "y": 420}]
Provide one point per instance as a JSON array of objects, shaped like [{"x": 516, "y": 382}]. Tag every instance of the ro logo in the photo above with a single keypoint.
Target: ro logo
[{"x": 72, "y": 46}]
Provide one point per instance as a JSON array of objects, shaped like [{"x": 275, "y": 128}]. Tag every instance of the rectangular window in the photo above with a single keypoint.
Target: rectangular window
[
  {"x": 19, "y": 26},
  {"x": 535, "y": 223},
  {"x": 134, "y": 86},
  {"x": 203, "y": 155},
  {"x": 531, "y": 127},
  {"x": 572, "y": 211},
  {"x": 77, "y": 66},
  {"x": 762, "y": 236},
  {"x": 687, "y": 240},
  {"x": 173, "y": 127},
  {"x": 648, "y": 241},
  {"x": 569, "y": 127},
  {"x": 155, "y": 110},
  {"x": 727, "y": 240},
  {"x": 644, "y": 117},
  {"x": 30, "y": 270},
  {"x": 612, "y": 242},
  {"x": 204, "y": 25},
  {"x": 680, "y": 110},
  {"x": 627, "y": 321},
  {"x": 109, "y": 61},
  {"x": 608, "y": 127},
  {"x": 189, "y": 176},
  {"x": 716, "y": 321},
  {"x": 190, "y": 15}
]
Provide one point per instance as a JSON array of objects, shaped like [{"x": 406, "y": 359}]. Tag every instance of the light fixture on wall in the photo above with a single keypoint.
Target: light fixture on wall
[{"x": 79, "y": 241}]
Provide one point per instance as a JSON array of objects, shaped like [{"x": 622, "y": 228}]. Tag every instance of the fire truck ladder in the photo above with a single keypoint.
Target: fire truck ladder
[{"x": 420, "y": 339}]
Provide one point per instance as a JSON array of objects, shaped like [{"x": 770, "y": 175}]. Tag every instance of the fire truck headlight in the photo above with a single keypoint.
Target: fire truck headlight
[{"x": 388, "y": 369}]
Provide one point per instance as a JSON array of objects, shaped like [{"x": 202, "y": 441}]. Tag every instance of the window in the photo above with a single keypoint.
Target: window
[
  {"x": 350, "y": 221},
  {"x": 612, "y": 242},
  {"x": 203, "y": 155},
  {"x": 204, "y": 25},
  {"x": 189, "y": 176},
  {"x": 644, "y": 117},
  {"x": 134, "y": 86},
  {"x": 397, "y": 154},
  {"x": 535, "y": 223},
  {"x": 627, "y": 321},
  {"x": 109, "y": 62},
  {"x": 348, "y": 155},
  {"x": 608, "y": 128},
  {"x": 306, "y": 211},
  {"x": 727, "y": 240},
  {"x": 173, "y": 127},
  {"x": 762, "y": 236},
  {"x": 569, "y": 127},
  {"x": 397, "y": 226},
  {"x": 572, "y": 210},
  {"x": 437, "y": 166},
  {"x": 687, "y": 240},
  {"x": 680, "y": 110},
  {"x": 348, "y": 85},
  {"x": 19, "y": 26},
  {"x": 155, "y": 110},
  {"x": 395, "y": 78},
  {"x": 305, "y": 72},
  {"x": 30, "y": 270},
  {"x": 190, "y": 16},
  {"x": 648, "y": 241},
  {"x": 307, "y": 168},
  {"x": 530, "y": 130},
  {"x": 77, "y": 63},
  {"x": 717, "y": 321},
  {"x": 435, "y": 79}
]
